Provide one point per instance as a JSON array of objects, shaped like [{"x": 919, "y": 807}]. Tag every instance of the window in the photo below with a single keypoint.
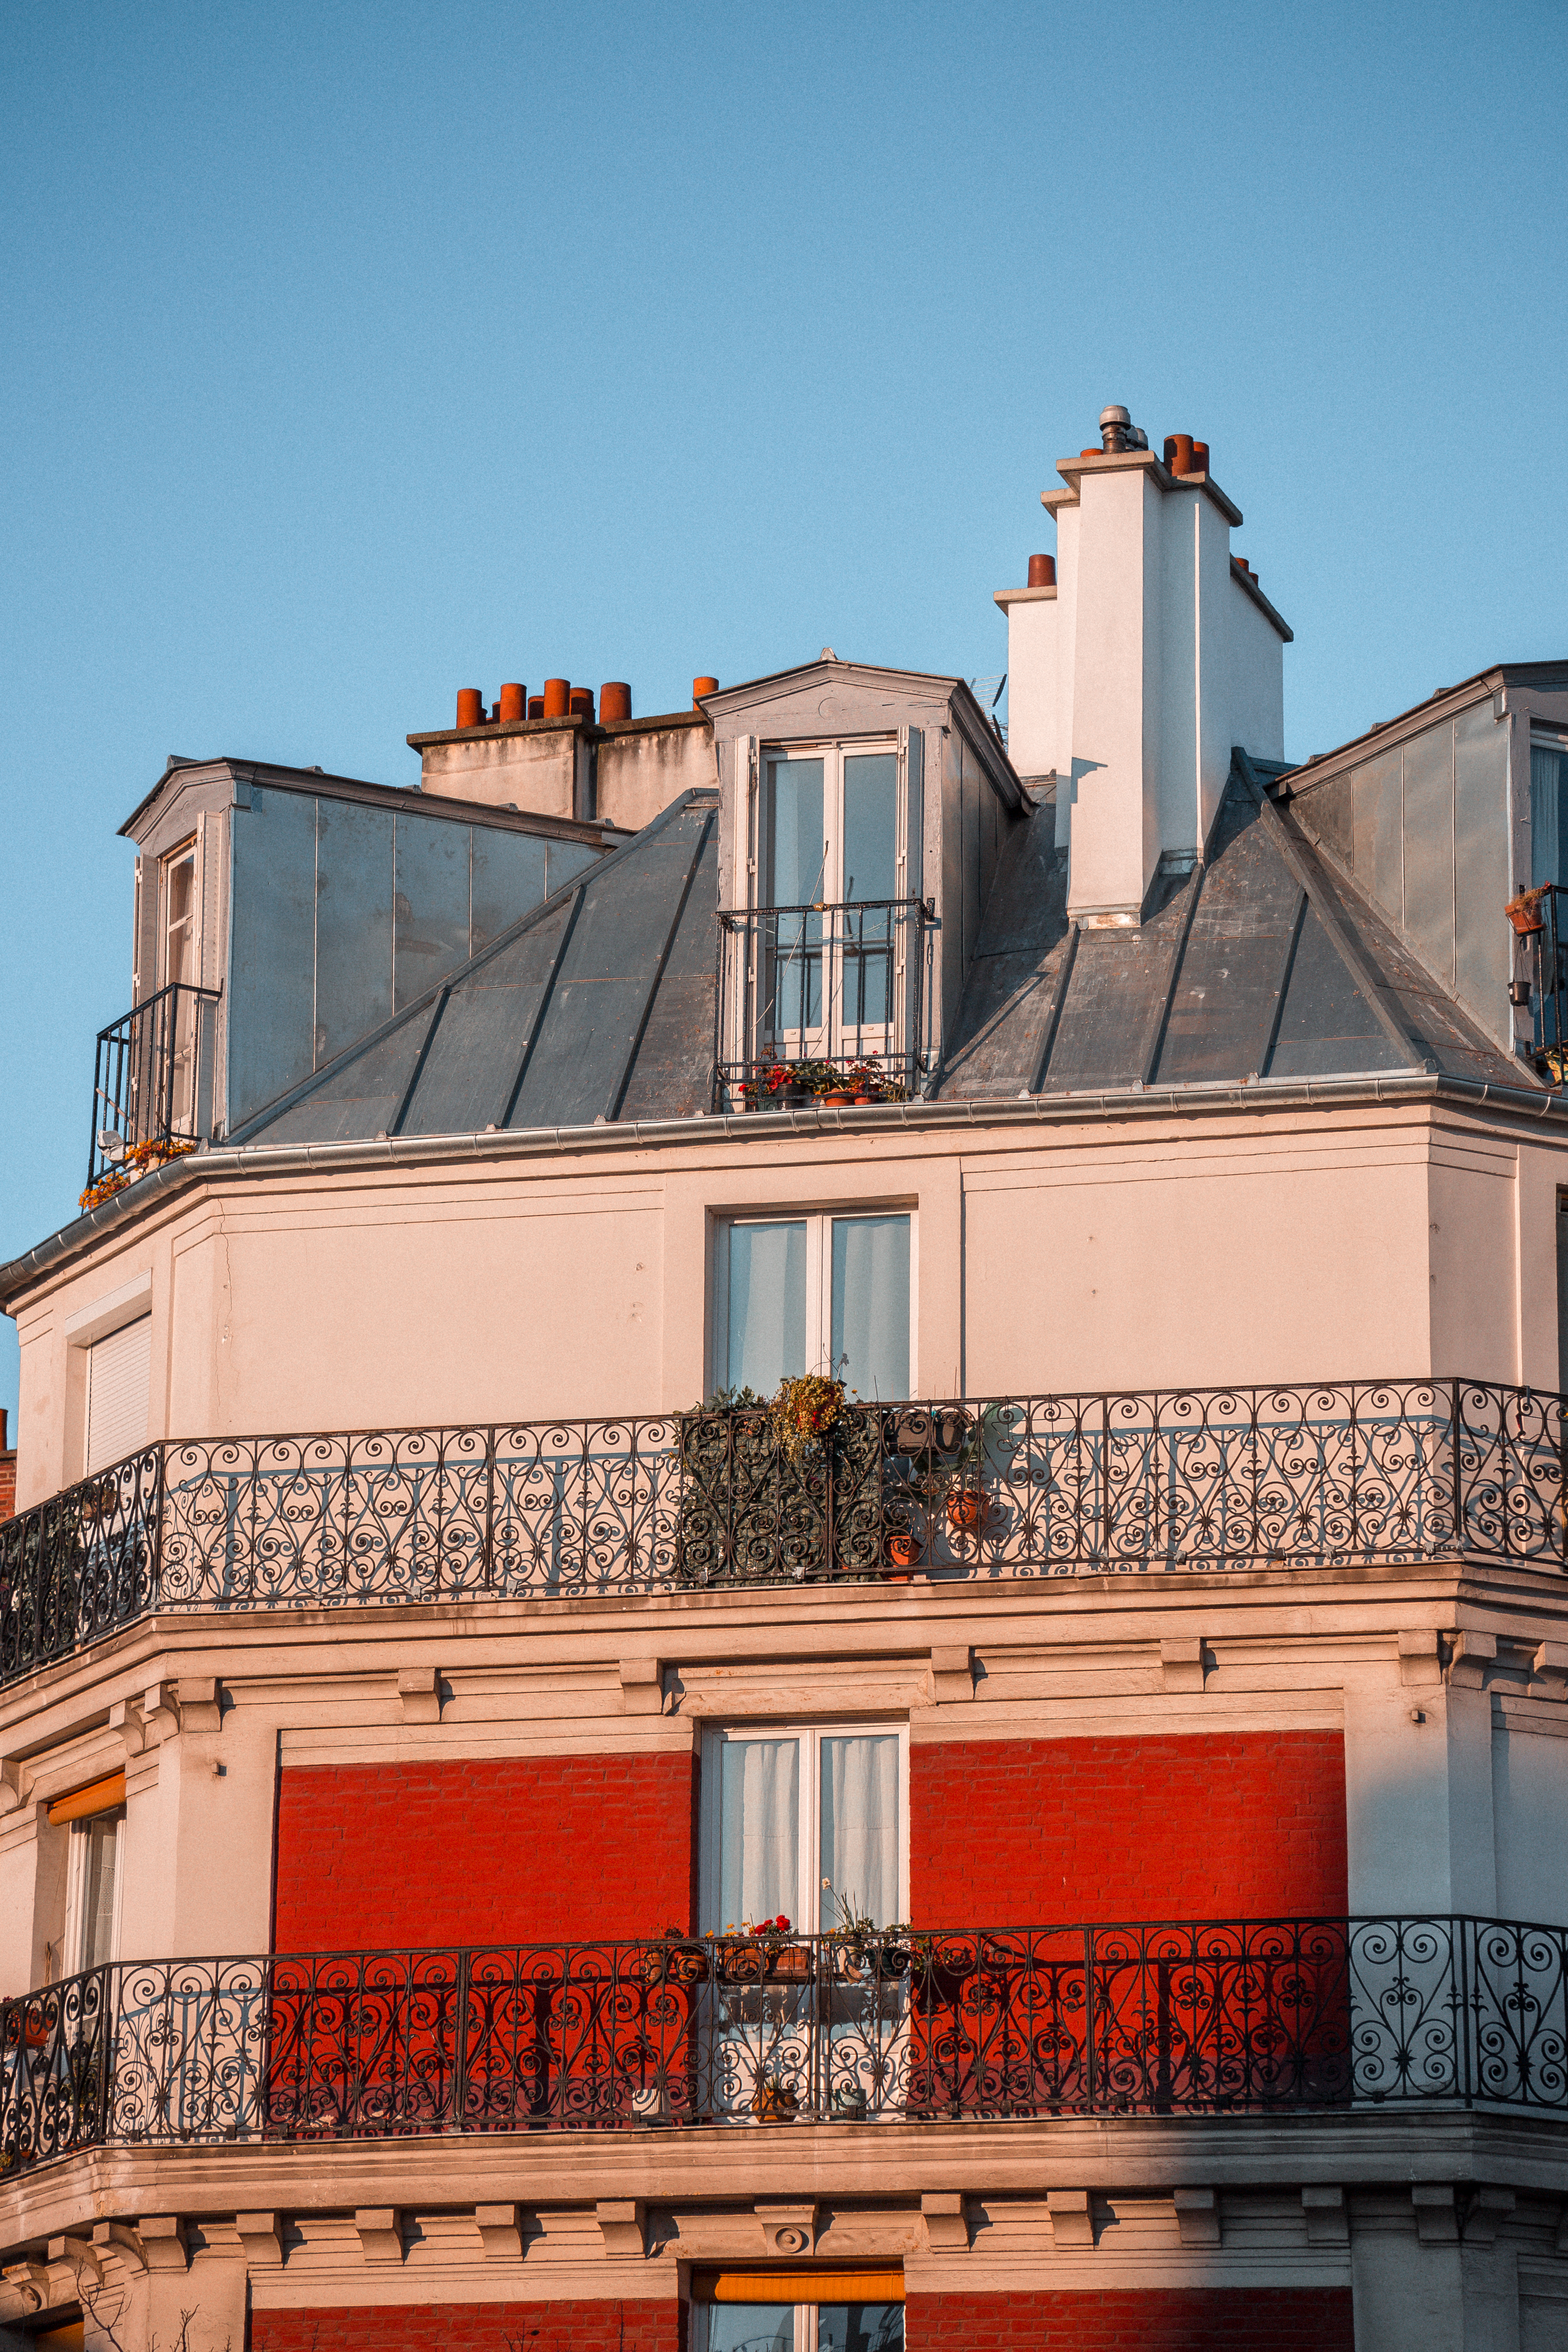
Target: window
[
  {"x": 180, "y": 941},
  {"x": 94, "y": 1819},
  {"x": 119, "y": 1369},
  {"x": 1549, "y": 810},
  {"x": 804, "y": 1823},
  {"x": 829, "y": 863},
  {"x": 728, "y": 2318},
  {"x": 821, "y": 1293}
]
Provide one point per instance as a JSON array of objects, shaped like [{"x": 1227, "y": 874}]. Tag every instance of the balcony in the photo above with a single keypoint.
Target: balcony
[
  {"x": 817, "y": 997},
  {"x": 1335, "y": 1474},
  {"x": 897, "y": 2026},
  {"x": 153, "y": 1085}
]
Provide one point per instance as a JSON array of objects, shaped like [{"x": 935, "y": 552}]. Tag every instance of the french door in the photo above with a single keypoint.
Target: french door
[{"x": 831, "y": 952}]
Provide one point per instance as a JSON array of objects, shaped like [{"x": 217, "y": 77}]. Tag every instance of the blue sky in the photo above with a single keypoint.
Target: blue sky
[{"x": 355, "y": 353}]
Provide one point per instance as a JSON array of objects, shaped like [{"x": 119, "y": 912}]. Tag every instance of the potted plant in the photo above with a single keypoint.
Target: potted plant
[
  {"x": 676, "y": 1960},
  {"x": 904, "y": 1551},
  {"x": 1526, "y": 912},
  {"x": 788, "y": 1489},
  {"x": 848, "y": 2105},
  {"x": 775, "y": 2099}
]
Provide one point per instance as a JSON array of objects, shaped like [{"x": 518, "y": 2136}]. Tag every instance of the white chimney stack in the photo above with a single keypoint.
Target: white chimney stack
[{"x": 1133, "y": 671}]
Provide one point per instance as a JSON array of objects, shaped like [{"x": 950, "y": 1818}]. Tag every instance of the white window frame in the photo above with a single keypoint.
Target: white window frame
[
  {"x": 76, "y": 1920},
  {"x": 187, "y": 854},
  {"x": 807, "y": 1920},
  {"x": 818, "y": 1278},
  {"x": 833, "y": 751}
]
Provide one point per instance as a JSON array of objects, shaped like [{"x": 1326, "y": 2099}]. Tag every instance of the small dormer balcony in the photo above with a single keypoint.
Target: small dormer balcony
[
  {"x": 153, "y": 1085},
  {"x": 821, "y": 1001}
]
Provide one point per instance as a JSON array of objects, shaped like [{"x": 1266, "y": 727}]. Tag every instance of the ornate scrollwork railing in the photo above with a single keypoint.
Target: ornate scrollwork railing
[
  {"x": 1353, "y": 1473},
  {"x": 896, "y": 2026}
]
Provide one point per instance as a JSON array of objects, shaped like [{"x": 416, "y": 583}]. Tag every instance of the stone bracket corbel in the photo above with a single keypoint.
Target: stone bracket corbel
[
  {"x": 787, "y": 2229},
  {"x": 115, "y": 2238},
  {"x": 81, "y": 2265},
  {"x": 623, "y": 2224},
  {"x": 1549, "y": 1665},
  {"x": 501, "y": 2232},
  {"x": 1419, "y": 1660},
  {"x": 1327, "y": 2217},
  {"x": 161, "y": 1710},
  {"x": 1197, "y": 2217},
  {"x": 200, "y": 1702},
  {"x": 1484, "y": 2212},
  {"x": 946, "y": 2222},
  {"x": 164, "y": 2246},
  {"x": 952, "y": 1673},
  {"x": 261, "y": 2235},
  {"x": 126, "y": 1723},
  {"x": 380, "y": 2229},
  {"x": 10, "y": 1787},
  {"x": 642, "y": 1685},
  {"x": 1473, "y": 1654},
  {"x": 1182, "y": 1666},
  {"x": 419, "y": 1694},
  {"x": 1071, "y": 2217},
  {"x": 26, "y": 2290},
  {"x": 1436, "y": 2217}
]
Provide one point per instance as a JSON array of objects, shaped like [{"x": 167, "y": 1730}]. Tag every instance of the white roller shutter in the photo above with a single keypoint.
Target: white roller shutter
[{"x": 119, "y": 1369}]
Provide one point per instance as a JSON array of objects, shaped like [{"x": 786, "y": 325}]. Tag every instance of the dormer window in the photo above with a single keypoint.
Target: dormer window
[{"x": 181, "y": 944}]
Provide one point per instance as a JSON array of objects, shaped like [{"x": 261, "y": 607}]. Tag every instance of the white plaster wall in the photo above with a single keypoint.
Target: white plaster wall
[
  {"x": 524, "y": 772},
  {"x": 640, "y": 772},
  {"x": 1257, "y": 676},
  {"x": 1180, "y": 555},
  {"x": 1032, "y": 682},
  {"x": 1530, "y": 1814},
  {"x": 1215, "y": 589},
  {"x": 1116, "y": 693}
]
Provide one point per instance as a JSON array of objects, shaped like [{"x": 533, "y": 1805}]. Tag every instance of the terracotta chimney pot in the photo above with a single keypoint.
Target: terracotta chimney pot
[
  {"x": 536, "y": 706},
  {"x": 1042, "y": 571},
  {"x": 471, "y": 707},
  {"x": 702, "y": 686},
  {"x": 614, "y": 700},
  {"x": 557, "y": 698},
  {"x": 512, "y": 704},
  {"x": 580, "y": 702}
]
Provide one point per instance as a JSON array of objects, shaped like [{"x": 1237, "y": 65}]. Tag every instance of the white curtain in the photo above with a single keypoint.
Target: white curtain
[
  {"x": 871, "y": 1305},
  {"x": 759, "y": 1831},
  {"x": 766, "y": 1305},
  {"x": 861, "y": 1828}
]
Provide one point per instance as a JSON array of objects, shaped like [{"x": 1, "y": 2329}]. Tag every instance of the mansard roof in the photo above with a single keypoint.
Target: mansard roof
[{"x": 1260, "y": 963}]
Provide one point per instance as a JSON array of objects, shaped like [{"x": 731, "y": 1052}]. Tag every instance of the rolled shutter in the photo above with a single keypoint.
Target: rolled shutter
[{"x": 119, "y": 1369}]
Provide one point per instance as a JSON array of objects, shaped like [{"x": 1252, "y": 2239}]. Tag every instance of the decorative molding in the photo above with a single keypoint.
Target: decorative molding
[
  {"x": 125, "y": 1722},
  {"x": 261, "y": 2235},
  {"x": 501, "y": 2232},
  {"x": 789, "y": 2230},
  {"x": 1436, "y": 2219},
  {"x": 161, "y": 1710},
  {"x": 952, "y": 1672},
  {"x": 10, "y": 1787},
  {"x": 642, "y": 1686},
  {"x": 1182, "y": 1663},
  {"x": 946, "y": 2222},
  {"x": 379, "y": 2230},
  {"x": 419, "y": 1694},
  {"x": 1551, "y": 1666},
  {"x": 1419, "y": 1659},
  {"x": 622, "y": 2225},
  {"x": 1071, "y": 2217},
  {"x": 164, "y": 2246},
  {"x": 200, "y": 1702},
  {"x": 1327, "y": 2218},
  {"x": 1197, "y": 2217},
  {"x": 29, "y": 2285},
  {"x": 1473, "y": 1654}
]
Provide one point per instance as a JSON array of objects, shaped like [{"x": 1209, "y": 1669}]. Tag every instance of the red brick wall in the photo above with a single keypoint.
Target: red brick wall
[
  {"x": 7, "y": 1478},
  {"x": 502, "y": 1850},
  {"x": 1168, "y": 2319},
  {"x": 1210, "y": 1825},
  {"x": 639, "y": 2325}
]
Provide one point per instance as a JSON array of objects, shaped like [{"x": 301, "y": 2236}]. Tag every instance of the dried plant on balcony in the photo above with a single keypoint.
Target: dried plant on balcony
[{"x": 789, "y": 1490}]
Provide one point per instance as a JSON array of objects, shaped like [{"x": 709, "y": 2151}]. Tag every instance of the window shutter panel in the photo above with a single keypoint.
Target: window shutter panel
[{"x": 119, "y": 1369}]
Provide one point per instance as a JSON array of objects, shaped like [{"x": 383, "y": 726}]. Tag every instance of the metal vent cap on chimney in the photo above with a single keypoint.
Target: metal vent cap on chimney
[{"x": 1118, "y": 432}]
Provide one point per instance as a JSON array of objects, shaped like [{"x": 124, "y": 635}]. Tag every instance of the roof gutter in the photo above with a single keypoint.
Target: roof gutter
[{"x": 251, "y": 1163}]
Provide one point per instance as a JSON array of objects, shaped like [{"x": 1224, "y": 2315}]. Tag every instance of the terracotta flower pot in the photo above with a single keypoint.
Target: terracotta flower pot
[
  {"x": 1525, "y": 912},
  {"x": 839, "y": 1095},
  {"x": 904, "y": 1549},
  {"x": 774, "y": 2106},
  {"x": 968, "y": 1510}
]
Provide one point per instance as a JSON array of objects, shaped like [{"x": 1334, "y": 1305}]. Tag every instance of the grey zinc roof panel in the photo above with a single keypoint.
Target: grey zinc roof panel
[
  {"x": 1325, "y": 1022},
  {"x": 1228, "y": 991},
  {"x": 1017, "y": 965},
  {"x": 604, "y": 992},
  {"x": 1116, "y": 998}
]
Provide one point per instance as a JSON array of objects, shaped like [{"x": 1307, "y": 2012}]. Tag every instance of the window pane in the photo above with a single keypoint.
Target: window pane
[
  {"x": 767, "y": 1336},
  {"x": 752, "y": 2327},
  {"x": 871, "y": 1305},
  {"x": 860, "y": 1829},
  {"x": 759, "y": 1818},
  {"x": 796, "y": 850},
  {"x": 870, "y": 823},
  {"x": 98, "y": 1889},
  {"x": 860, "y": 2327},
  {"x": 1548, "y": 812}
]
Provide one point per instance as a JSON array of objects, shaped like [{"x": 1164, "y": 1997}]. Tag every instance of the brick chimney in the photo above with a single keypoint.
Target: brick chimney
[{"x": 1132, "y": 674}]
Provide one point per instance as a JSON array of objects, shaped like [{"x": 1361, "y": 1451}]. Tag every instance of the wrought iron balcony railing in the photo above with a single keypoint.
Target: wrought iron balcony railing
[
  {"x": 1339, "y": 1474},
  {"x": 1255, "y": 2017},
  {"x": 152, "y": 1081},
  {"x": 819, "y": 997}
]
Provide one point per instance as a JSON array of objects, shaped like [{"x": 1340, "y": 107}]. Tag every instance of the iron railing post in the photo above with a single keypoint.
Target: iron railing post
[
  {"x": 1091, "y": 2024},
  {"x": 1457, "y": 1490}
]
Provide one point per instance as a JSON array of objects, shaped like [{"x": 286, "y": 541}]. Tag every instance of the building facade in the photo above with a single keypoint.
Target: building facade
[{"x": 794, "y": 1575}]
